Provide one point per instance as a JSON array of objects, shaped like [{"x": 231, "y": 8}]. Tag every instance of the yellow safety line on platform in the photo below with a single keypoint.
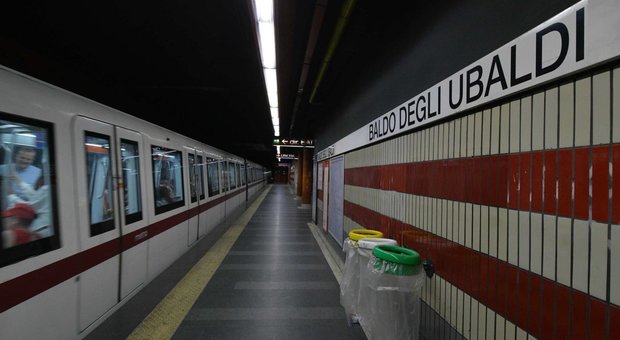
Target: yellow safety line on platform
[{"x": 166, "y": 317}]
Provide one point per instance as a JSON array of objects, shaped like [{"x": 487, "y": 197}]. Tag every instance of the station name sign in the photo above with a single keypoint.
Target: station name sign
[
  {"x": 584, "y": 35},
  {"x": 294, "y": 142},
  {"x": 553, "y": 48}
]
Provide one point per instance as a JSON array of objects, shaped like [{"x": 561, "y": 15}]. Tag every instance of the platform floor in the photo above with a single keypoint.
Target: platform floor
[{"x": 273, "y": 282}]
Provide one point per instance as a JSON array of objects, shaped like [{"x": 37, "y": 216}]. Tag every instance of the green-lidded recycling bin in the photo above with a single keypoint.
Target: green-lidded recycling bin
[
  {"x": 394, "y": 276},
  {"x": 350, "y": 283}
]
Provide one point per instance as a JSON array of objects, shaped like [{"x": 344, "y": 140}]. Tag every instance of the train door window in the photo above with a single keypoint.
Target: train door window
[
  {"x": 130, "y": 160},
  {"x": 192, "y": 177},
  {"x": 242, "y": 174},
  {"x": 99, "y": 182},
  {"x": 224, "y": 170},
  {"x": 167, "y": 178},
  {"x": 213, "y": 177},
  {"x": 29, "y": 225},
  {"x": 201, "y": 178}
]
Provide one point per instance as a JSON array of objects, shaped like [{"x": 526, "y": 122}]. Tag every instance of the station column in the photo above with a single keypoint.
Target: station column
[{"x": 307, "y": 176}]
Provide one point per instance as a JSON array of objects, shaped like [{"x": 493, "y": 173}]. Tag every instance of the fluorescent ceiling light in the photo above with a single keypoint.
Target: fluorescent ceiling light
[
  {"x": 275, "y": 121},
  {"x": 264, "y": 10},
  {"x": 267, "y": 44},
  {"x": 274, "y": 112},
  {"x": 276, "y": 130},
  {"x": 278, "y": 148},
  {"x": 271, "y": 81}
]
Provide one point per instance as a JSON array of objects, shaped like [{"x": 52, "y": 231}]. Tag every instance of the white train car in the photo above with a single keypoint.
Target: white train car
[{"x": 95, "y": 203}]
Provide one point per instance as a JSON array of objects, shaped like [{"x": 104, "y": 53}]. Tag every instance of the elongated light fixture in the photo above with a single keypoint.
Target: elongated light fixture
[{"x": 263, "y": 11}]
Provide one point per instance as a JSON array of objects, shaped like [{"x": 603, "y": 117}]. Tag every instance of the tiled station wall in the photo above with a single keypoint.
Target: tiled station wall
[{"x": 518, "y": 207}]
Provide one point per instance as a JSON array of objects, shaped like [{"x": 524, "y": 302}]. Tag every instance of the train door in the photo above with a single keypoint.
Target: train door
[
  {"x": 110, "y": 191},
  {"x": 99, "y": 227},
  {"x": 193, "y": 230},
  {"x": 130, "y": 194},
  {"x": 201, "y": 168},
  {"x": 336, "y": 199}
]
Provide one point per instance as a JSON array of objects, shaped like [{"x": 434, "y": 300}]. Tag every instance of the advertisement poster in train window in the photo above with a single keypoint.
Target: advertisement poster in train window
[
  {"x": 213, "y": 177},
  {"x": 192, "y": 177},
  {"x": 99, "y": 182},
  {"x": 167, "y": 178},
  {"x": 201, "y": 177},
  {"x": 27, "y": 194}
]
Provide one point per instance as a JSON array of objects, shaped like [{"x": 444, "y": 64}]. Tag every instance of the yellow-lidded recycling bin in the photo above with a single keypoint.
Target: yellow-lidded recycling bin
[{"x": 349, "y": 285}]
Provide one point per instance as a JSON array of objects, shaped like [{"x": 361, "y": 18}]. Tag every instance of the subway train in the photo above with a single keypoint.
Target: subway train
[{"x": 95, "y": 203}]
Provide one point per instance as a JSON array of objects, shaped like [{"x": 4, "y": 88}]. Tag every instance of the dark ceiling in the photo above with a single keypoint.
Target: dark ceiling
[{"x": 176, "y": 63}]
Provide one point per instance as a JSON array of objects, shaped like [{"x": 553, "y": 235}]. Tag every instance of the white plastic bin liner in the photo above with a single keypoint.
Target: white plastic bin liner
[{"x": 393, "y": 302}]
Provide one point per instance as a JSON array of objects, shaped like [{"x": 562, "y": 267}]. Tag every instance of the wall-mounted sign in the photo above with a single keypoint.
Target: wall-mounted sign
[
  {"x": 584, "y": 35},
  {"x": 294, "y": 142},
  {"x": 286, "y": 156}
]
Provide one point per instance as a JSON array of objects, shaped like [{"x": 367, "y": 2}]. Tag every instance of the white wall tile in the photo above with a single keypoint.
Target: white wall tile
[
  {"x": 494, "y": 231},
  {"x": 616, "y": 103},
  {"x": 468, "y": 227},
  {"x": 526, "y": 123},
  {"x": 482, "y": 322},
  {"x": 495, "y": 129},
  {"x": 580, "y": 255},
  {"x": 502, "y": 233},
  {"x": 486, "y": 131},
  {"x": 564, "y": 250},
  {"x": 513, "y": 237},
  {"x": 582, "y": 112},
  {"x": 614, "y": 276},
  {"x": 490, "y": 329},
  {"x": 598, "y": 260},
  {"x": 567, "y": 115},
  {"x": 467, "y": 313},
  {"x": 524, "y": 240},
  {"x": 462, "y": 222},
  {"x": 500, "y": 327},
  {"x": 457, "y": 138},
  {"x": 549, "y": 247},
  {"x": 504, "y": 134},
  {"x": 478, "y": 134},
  {"x": 515, "y": 125},
  {"x": 446, "y": 140},
  {"x": 474, "y": 318},
  {"x": 454, "y": 306},
  {"x": 551, "y": 118},
  {"x": 601, "y": 96},
  {"x": 511, "y": 330},
  {"x": 470, "y": 135},
  {"x": 476, "y": 227},
  {"x": 536, "y": 243},
  {"x": 538, "y": 118},
  {"x": 459, "y": 311},
  {"x": 521, "y": 334},
  {"x": 484, "y": 229}
]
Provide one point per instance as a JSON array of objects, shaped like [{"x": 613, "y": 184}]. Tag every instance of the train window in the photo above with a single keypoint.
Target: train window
[
  {"x": 232, "y": 172},
  {"x": 167, "y": 178},
  {"x": 213, "y": 177},
  {"x": 130, "y": 158},
  {"x": 237, "y": 166},
  {"x": 27, "y": 189},
  {"x": 191, "y": 158},
  {"x": 242, "y": 174},
  {"x": 224, "y": 170},
  {"x": 201, "y": 178},
  {"x": 99, "y": 177}
]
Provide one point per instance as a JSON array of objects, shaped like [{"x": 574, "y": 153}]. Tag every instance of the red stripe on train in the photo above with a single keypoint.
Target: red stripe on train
[{"x": 22, "y": 288}]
